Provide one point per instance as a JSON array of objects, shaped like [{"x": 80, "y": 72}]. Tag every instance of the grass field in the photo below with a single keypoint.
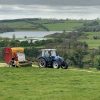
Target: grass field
[
  {"x": 67, "y": 25},
  {"x": 49, "y": 84},
  {"x": 91, "y": 34},
  {"x": 36, "y": 25},
  {"x": 92, "y": 43}
]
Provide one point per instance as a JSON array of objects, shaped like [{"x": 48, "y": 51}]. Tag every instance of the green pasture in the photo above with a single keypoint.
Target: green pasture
[
  {"x": 49, "y": 84},
  {"x": 67, "y": 25},
  {"x": 92, "y": 43},
  {"x": 90, "y": 35},
  {"x": 38, "y": 25}
]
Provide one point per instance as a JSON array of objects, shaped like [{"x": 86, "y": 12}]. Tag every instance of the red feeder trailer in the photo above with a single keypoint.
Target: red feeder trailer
[
  {"x": 7, "y": 55},
  {"x": 12, "y": 53}
]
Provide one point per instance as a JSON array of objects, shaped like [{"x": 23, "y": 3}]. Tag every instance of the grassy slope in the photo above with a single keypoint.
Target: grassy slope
[
  {"x": 48, "y": 84},
  {"x": 67, "y": 25},
  {"x": 92, "y": 42},
  {"x": 52, "y": 26}
]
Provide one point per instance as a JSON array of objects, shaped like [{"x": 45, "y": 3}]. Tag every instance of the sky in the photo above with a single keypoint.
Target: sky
[
  {"x": 60, "y": 9},
  {"x": 52, "y": 2}
]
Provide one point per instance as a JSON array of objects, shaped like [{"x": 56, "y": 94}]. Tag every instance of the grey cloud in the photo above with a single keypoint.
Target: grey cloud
[
  {"x": 52, "y": 2},
  {"x": 36, "y": 11}
]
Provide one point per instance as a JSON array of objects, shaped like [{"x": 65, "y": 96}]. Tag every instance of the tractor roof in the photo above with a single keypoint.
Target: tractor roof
[{"x": 48, "y": 49}]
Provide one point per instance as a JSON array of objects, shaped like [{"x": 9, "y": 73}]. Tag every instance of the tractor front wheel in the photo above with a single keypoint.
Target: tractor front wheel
[
  {"x": 64, "y": 65},
  {"x": 55, "y": 65},
  {"x": 41, "y": 63}
]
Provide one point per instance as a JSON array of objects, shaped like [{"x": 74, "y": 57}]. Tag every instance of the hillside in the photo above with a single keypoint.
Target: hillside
[{"x": 41, "y": 24}]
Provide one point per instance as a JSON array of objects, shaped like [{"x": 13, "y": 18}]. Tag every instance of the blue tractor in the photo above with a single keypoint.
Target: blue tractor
[{"x": 49, "y": 58}]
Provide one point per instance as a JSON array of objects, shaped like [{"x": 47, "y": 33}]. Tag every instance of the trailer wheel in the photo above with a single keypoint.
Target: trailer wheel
[
  {"x": 55, "y": 65},
  {"x": 11, "y": 64},
  {"x": 41, "y": 63}
]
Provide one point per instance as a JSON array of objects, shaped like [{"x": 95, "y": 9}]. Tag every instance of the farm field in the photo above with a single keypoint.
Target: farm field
[
  {"x": 91, "y": 34},
  {"x": 49, "y": 84},
  {"x": 92, "y": 43},
  {"x": 42, "y": 24},
  {"x": 67, "y": 25}
]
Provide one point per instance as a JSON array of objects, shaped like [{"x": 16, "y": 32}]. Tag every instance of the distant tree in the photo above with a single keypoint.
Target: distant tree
[
  {"x": 25, "y": 37},
  {"x": 13, "y": 37},
  {"x": 24, "y": 44},
  {"x": 90, "y": 26}
]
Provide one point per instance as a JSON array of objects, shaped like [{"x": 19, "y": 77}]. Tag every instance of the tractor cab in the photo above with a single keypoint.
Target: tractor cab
[{"x": 48, "y": 52}]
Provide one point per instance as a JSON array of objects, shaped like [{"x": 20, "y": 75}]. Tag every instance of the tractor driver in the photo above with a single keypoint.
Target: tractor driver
[{"x": 49, "y": 52}]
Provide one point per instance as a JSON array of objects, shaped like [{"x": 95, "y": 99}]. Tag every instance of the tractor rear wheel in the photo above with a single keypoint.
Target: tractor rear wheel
[
  {"x": 55, "y": 65},
  {"x": 41, "y": 63}
]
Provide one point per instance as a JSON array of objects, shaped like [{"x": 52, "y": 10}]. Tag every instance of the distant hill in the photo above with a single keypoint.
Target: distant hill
[{"x": 37, "y": 24}]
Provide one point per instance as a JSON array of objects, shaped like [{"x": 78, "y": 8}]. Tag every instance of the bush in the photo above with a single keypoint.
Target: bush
[
  {"x": 31, "y": 52},
  {"x": 98, "y": 64},
  {"x": 98, "y": 67}
]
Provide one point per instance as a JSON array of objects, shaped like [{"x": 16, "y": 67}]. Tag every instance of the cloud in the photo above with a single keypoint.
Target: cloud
[
  {"x": 44, "y": 11},
  {"x": 52, "y": 2}
]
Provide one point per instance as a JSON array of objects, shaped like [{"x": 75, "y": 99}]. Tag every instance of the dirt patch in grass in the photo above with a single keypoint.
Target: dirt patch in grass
[{"x": 3, "y": 65}]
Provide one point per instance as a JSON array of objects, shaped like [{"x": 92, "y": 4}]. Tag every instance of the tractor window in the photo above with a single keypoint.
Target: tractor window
[
  {"x": 53, "y": 53},
  {"x": 46, "y": 54}
]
